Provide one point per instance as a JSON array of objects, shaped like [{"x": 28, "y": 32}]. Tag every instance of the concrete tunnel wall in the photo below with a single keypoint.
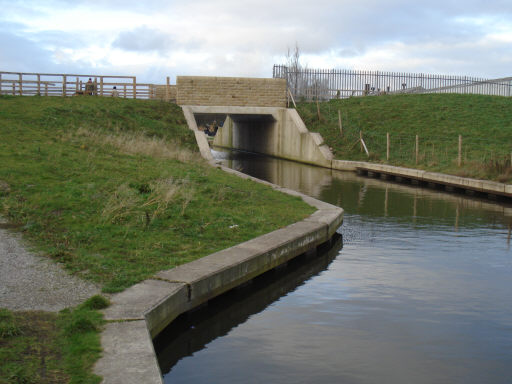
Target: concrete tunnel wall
[
  {"x": 252, "y": 133},
  {"x": 278, "y": 132}
]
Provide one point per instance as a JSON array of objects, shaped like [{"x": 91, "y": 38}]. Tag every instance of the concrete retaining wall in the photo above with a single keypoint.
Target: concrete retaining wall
[
  {"x": 231, "y": 91},
  {"x": 282, "y": 135},
  {"x": 482, "y": 186},
  {"x": 140, "y": 312}
]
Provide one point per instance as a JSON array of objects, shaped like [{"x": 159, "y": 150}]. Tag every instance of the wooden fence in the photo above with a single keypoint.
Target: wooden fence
[
  {"x": 319, "y": 84},
  {"x": 46, "y": 84}
]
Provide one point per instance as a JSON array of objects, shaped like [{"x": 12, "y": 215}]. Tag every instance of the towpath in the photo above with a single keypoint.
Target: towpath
[{"x": 32, "y": 282}]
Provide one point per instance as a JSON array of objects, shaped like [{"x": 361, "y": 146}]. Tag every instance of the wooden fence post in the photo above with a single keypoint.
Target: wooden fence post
[
  {"x": 387, "y": 146},
  {"x": 125, "y": 91},
  {"x": 13, "y": 88},
  {"x": 95, "y": 93},
  {"x": 46, "y": 89},
  {"x": 293, "y": 100},
  {"x": 134, "y": 87},
  {"x": 21, "y": 84},
  {"x": 64, "y": 81},
  {"x": 339, "y": 122},
  {"x": 167, "y": 94},
  {"x": 76, "y": 85},
  {"x": 417, "y": 148},
  {"x": 39, "y": 84},
  {"x": 101, "y": 85},
  {"x": 459, "y": 159}
]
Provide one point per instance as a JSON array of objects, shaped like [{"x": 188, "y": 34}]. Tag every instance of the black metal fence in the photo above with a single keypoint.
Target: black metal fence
[{"x": 324, "y": 84}]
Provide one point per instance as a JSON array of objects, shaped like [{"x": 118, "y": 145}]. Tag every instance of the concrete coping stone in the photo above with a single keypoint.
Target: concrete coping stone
[
  {"x": 134, "y": 302},
  {"x": 485, "y": 186},
  {"x": 128, "y": 355},
  {"x": 142, "y": 311},
  {"x": 317, "y": 138}
]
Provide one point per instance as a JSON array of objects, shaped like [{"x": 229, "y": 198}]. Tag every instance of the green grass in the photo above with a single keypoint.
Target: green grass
[
  {"x": 115, "y": 189},
  {"x": 485, "y": 123},
  {"x": 49, "y": 347}
]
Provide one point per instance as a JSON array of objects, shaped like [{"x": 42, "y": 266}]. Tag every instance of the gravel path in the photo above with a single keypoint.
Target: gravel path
[{"x": 31, "y": 282}]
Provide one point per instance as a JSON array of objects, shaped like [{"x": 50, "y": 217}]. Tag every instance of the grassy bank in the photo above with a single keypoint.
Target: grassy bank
[
  {"x": 42, "y": 347},
  {"x": 115, "y": 190},
  {"x": 484, "y": 122}
]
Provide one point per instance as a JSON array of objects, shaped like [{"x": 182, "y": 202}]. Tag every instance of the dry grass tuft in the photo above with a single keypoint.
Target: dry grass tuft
[
  {"x": 128, "y": 203},
  {"x": 136, "y": 144}
]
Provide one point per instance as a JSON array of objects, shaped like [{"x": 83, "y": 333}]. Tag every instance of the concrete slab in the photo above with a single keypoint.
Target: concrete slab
[
  {"x": 135, "y": 301},
  {"x": 333, "y": 218},
  {"x": 219, "y": 272},
  {"x": 317, "y": 138},
  {"x": 326, "y": 151},
  {"x": 346, "y": 165},
  {"x": 485, "y": 186},
  {"x": 128, "y": 355}
]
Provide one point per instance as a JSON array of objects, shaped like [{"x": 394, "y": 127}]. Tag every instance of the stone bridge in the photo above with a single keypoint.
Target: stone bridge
[{"x": 252, "y": 115}]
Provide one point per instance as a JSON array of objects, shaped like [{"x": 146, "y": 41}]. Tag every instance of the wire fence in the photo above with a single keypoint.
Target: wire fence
[
  {"x": 432, "y": 151},
  {"x": 325, "y": 84}
]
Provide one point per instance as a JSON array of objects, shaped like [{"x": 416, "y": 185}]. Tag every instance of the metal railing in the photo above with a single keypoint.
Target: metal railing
[{"x": 325, "y": 84}]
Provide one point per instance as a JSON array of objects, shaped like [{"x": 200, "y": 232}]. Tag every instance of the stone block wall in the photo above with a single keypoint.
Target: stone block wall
[
  {"x": 231, "y": 91},
  {"x": 160, "y": 92}
]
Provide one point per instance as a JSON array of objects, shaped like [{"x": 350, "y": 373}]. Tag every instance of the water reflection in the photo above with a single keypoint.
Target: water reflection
[
  {"x": 372, "y": 197},
  {"x": 420, "y": 293},
  {"x": 193, "y": 331}
]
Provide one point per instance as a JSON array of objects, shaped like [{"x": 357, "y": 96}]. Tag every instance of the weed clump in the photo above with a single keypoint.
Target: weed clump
[
  {"x": 8, "y": 325},
  {"x": 96, "y": 302}
]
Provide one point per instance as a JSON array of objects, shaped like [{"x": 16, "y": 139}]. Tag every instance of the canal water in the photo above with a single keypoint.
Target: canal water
[{"x": 418, "y": 290}]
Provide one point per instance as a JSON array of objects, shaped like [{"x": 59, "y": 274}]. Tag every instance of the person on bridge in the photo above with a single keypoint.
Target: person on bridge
[{"x": 89, "y": 87}]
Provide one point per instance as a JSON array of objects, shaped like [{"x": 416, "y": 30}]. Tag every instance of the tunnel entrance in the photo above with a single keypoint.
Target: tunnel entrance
[
  {"x": 253, "y": 133},
  {"x": 278, "y": 132},
  {"x": 249, "y": 132}
]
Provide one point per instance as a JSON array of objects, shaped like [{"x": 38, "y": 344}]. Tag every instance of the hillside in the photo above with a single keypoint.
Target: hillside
[
  {"x": 116, "y": 190},
  {"x": 484, "y": 122}
]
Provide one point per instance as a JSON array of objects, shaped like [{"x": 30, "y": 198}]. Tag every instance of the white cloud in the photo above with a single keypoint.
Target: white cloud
[{"x": 158, "y": 38}]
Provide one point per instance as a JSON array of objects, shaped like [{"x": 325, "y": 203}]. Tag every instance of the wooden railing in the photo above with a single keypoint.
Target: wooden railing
[{"x": 49, "y": 84}]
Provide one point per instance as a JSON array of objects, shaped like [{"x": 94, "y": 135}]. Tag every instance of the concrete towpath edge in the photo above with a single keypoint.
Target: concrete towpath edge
[{"x": 139, "y": 313}]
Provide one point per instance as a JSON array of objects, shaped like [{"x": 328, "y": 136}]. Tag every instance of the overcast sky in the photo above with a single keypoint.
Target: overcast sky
[{"x": 153, "y": 39}]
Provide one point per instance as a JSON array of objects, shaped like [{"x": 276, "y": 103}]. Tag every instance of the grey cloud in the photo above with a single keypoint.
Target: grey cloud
[
  {"x": 143, "y": 39},
  {"x": 18, "y": 54}
]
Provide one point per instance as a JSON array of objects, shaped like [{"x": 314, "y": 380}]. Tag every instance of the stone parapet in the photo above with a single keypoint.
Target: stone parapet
[{"x": 230, "y": 91}]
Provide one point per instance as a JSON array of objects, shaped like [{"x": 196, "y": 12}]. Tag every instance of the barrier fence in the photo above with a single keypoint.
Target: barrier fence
[
  {"x": 46, "y": 84},
  {"x": 325, "y": 84},
  {"x": 428, "y": 150}
]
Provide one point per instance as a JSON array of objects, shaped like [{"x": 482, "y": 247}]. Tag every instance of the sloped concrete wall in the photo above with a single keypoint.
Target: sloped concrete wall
[{"x": 282, "y": 134}]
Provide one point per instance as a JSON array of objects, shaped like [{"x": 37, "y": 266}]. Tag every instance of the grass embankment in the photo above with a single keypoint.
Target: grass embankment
[
  {"x": 41, "y": 347},
  {"x": 116, "y": 190},
  {"x": 484, "y": 122}
]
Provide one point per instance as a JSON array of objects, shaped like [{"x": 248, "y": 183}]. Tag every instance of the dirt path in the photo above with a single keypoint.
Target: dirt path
[{"x": 31, "y": 282}]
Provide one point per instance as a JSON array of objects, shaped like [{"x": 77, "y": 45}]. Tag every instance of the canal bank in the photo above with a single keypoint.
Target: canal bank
[
  {"x": 418, "y": 293},
  {"x": 139, "y": 313}
]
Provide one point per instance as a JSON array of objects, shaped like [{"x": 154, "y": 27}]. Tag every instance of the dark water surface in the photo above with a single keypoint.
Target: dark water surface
[{"x": 420, "y": 292}]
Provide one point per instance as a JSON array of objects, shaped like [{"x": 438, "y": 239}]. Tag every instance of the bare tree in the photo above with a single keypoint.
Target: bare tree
[{"x": 295, "y": 68}]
